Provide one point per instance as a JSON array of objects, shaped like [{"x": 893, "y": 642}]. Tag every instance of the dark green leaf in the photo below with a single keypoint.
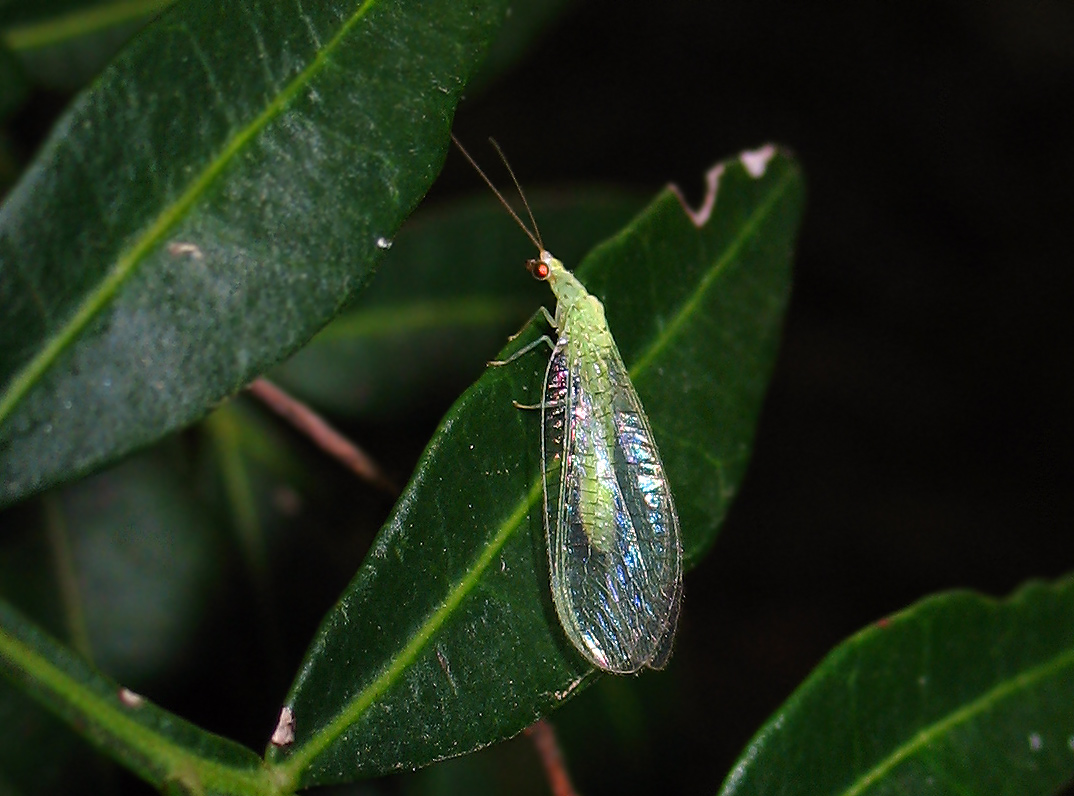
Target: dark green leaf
[
  {"x": 63, "y": 43},
  {"x": 510, "y": 767},
  {"x": 451, "y": 289},
  {"x": 446, "y": 639},
  {"x": 12, "y": 87},
  {"x": 159, "y": 747},
  {"x": 959, "y": 694},
  {"x": 166, "y": 247},
  {"x": 256, "y": 481},
  {"x": 37, "y": 752}
]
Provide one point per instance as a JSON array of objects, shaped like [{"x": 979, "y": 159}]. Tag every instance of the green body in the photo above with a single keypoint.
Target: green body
[{"x": 581, "y": 323}]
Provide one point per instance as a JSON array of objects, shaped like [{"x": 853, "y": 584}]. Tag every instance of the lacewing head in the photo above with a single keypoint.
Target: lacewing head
[{"x": 541, "y": 268}]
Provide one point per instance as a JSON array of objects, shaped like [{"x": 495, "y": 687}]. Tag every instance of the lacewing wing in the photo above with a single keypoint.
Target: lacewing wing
[{"x": 614, "y": 550}]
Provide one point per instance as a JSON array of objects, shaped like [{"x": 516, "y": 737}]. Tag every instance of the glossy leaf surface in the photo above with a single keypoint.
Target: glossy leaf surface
[
  {"x": 959, "y": 695},
  {"x": 165, "y": 248},
  {"x": 446, "y": 640}
]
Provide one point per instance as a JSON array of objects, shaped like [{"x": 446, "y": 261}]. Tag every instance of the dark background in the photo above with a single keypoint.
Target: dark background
[{"x": 918, "y": 433}]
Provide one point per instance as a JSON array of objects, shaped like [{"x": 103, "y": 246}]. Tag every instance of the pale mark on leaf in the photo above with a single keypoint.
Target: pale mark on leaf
[
  {"x": 284, "y": 734},
  {"x": 443, "y": 661},
  {"x": 131, "y": 699},
  {"x": 179, "y": 248},
  {"x": 566, "y": 692},
  {"x": 701, "y": 216},
  {"x": 756, "y": 161}
]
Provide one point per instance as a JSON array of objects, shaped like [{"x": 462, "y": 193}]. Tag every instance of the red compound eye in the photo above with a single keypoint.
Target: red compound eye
[{"x": 539, "y": 269}]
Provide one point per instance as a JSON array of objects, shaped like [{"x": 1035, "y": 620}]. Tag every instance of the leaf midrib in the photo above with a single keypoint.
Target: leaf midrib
[
  {"x": 127, "y": 262},
  {"x": 690, "y": 306},
  {"x": 987, "y": 700},
  {"x": 302, "y": 756}
]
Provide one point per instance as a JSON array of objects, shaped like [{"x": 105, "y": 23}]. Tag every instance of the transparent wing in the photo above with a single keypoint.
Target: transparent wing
[{"x": 614, "y": 552}]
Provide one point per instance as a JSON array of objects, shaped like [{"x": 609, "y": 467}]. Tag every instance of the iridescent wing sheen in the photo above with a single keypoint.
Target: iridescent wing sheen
[{"x": 614, "y": 552}]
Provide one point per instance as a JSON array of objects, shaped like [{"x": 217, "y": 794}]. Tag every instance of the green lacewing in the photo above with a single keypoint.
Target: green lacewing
[{"x": 614, "y": 549}]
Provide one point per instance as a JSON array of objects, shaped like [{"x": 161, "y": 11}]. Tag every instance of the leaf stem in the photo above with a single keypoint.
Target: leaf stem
[
  {"x": 545, "y": 742},
  {"x": 63, "y": 559},
  {"x": 322, "y": 434}
]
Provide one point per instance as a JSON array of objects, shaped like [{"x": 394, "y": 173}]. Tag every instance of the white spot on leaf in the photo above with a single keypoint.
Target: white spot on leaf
[
  {"x": 284, "y": 734},
  {"x": 131, "y": 699},
  {"x": 179, "y": 248},
  {"x": 566, "y": 692},
  {"x": 756, "y": 162}
]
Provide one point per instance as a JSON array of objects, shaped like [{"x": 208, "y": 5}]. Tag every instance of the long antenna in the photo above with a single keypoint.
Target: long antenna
[
  {"x": 531, "y": 235},
  {"x": 518, "y": 187}
]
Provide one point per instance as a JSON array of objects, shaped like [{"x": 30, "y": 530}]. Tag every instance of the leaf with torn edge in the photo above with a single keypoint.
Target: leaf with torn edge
[{"x": 446, "y": 639}]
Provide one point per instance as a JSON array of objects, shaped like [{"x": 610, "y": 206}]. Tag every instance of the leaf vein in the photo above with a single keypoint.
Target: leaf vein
[
  {"x": 693, "y": 303},
  {"x": 987, "y": 700},
  {"x": 394, "y": 667}
]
